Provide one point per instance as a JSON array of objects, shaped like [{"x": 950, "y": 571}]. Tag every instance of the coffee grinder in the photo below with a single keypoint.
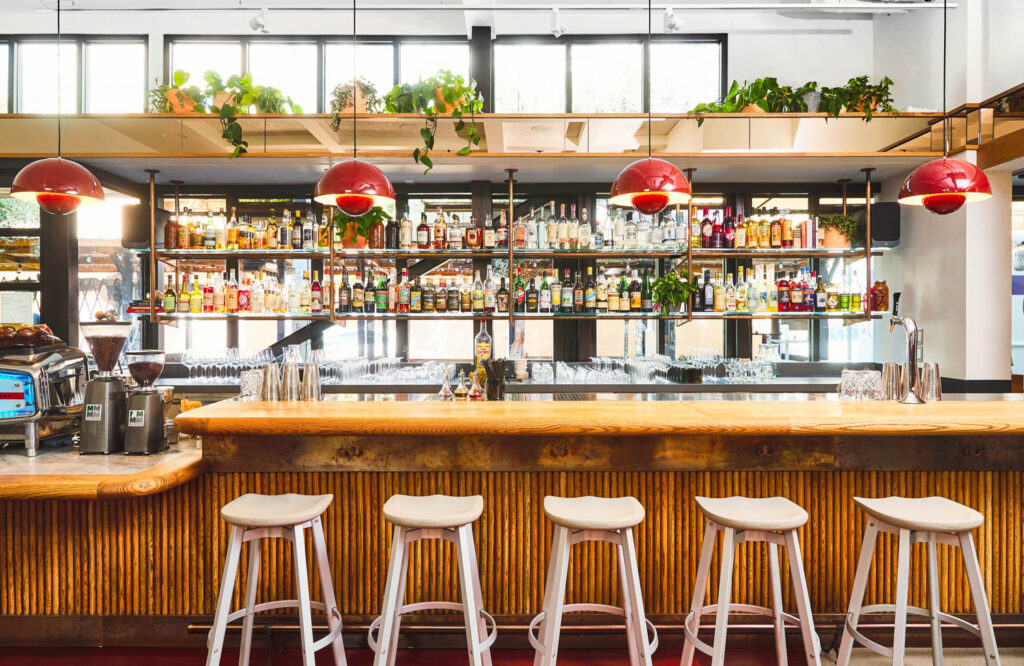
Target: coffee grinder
[
  {"x": 103, "y": 412},
  {"x": 144, "y": 433}
]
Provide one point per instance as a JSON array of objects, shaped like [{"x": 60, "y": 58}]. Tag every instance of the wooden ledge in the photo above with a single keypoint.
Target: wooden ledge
[{"x": 157, "y": 479}]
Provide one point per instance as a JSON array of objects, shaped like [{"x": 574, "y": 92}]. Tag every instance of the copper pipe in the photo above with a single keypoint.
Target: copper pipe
[{"x": 152, "y": 241}]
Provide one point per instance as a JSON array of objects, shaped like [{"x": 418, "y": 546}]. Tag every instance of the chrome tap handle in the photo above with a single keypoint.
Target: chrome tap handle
[{"x": 895, "y": 318}]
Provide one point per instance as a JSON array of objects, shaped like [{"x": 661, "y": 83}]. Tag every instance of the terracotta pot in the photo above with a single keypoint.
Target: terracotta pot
[
  {"x": 442, "y": 105},
  {"x": 179, "y": 101},
  {"x": 222, "y": 98},
  {"x": 752, "y": 108},
  {"x": 360, "y": 103},
  {"x": 835, "y": 240},
  {"x": 349, "y": 239}
]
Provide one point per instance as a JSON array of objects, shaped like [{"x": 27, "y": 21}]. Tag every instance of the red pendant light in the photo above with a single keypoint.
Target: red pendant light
[
  {"x": 944, "y": 185},
  {"x": 59, "y": 186},
  {"x": 651, "y": 184},
  {"x": 354, "y": 186}
]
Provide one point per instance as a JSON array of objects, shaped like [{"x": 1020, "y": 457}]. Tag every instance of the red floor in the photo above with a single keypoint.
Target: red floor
[{"x": 141, "y": 657}]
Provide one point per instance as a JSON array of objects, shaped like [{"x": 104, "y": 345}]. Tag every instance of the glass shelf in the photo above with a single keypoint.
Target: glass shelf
[
  {"x": 786, "y": 315},
  {"x": 765, "y": 253}
]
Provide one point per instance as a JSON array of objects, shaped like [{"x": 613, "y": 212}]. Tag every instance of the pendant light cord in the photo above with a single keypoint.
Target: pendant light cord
[
  {"x": 946, "y": 122},
  {"x": 58, "y": 81},
  {"x": 355, "y": 85},
  {"x": 649, "y": 10}
]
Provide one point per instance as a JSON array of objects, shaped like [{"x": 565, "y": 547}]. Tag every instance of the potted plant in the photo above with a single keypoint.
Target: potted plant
[
  {"x": 840, "y": 230},
  {"x": 360, "y": 94},
  {"x": 444, "y": 94},
  {"x": 175, "y": 97},
  {"x": 671, "y": 292},
  {"x": 356, "y": 229},
  {"x": 764, "y": 95},
  {"x": 867, "y": 98},
  {"x": 811, "y": 96},
  {"x": 236, "y": 98}
]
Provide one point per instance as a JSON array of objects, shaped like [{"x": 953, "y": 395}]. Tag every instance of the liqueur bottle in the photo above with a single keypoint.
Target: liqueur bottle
[
  {"x": 482, "y": 347},
  {"x": 590, "y": 292},
  {"x": 440, "y": 230},
  {"x": 423, "y": 233},
  {"x": 501, "y": 297},
  {"x": 519, "y": 292}
]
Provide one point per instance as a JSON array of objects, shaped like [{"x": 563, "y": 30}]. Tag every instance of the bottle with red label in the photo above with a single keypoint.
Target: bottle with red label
[
  {"x": 796, "y": 293},
  {"x": 783, "y": 287},
  {"x": 244, "y": 296},
  {"x": 729, "y": 229},
  {"x": 717, "y": 232},
  {"x": 706, "y": 228}
]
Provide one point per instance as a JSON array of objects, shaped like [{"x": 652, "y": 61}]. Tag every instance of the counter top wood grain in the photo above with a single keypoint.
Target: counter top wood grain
[{"x": 613, "y": 418}]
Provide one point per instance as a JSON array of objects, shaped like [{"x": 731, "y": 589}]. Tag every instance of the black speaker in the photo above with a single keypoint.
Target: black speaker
[
  {"x": 135, "y": 225},
  {"x": 885, "y": 223}
]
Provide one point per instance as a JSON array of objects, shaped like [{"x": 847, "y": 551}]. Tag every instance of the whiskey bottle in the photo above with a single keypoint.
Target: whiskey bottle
[
  {"x": 423, "y": 233},
  {"x": 532, "y": 296}
]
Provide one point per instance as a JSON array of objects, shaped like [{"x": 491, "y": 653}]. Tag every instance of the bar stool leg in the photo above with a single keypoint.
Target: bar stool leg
[
  {"x": 981, "y": 609},
  {"x": 252, "y": 580},
  {"x": 475, "y": 575},
  {"x": 327, "y": 588},
  {"x": 724, "y": 592},
  {"x": 470, "y": 604},
  {"x": 934, "y": 607},
  {"x": 392, "y": 600},
  {"x": 636, "y": 600},
  {"x": 554, "y": 597},
  {"x": 624, "y": 586},
  {"x": 899, "y": 638},
  {"x": 860, "y": 583},
  {"x": 781, "y": 657},
  {"x": 302, "y": 589},
  {"x": 700, "y": 589},
  {"x": 215, "y": 643},
  {"x": 803, "y": 601}
]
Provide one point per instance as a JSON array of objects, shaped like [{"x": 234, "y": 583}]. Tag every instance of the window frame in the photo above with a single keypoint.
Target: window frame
[
  {"x": 81, "y": 41},
  {"x": 721, "y": 39}
]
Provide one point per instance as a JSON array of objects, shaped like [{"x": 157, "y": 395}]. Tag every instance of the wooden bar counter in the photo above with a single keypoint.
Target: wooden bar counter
[{"x": 161, "y": 555}]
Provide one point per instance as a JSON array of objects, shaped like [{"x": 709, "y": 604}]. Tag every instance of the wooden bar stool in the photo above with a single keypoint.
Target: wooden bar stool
[
  {"x": 773, "y": 520},
  {"x": 931, "y": 520},
  {"x": 252, "y": 518},
  {"x": 433, "y": 517},
  {"x": 579, "y": 519}
]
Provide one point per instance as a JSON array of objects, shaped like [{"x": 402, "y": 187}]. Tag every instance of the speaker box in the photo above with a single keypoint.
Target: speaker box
[
  {"x": 135, "y": 225},
  {"x": 885, "y": 223}
]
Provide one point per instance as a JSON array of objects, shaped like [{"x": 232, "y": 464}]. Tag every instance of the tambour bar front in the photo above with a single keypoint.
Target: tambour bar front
[{"x": 425, "y": 334}]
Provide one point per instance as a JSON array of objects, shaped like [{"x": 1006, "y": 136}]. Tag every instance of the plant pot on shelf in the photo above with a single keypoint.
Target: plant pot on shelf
[
  {"x": 350, "y": 240},
  {"x": 813, "y": 101},
  {"x": 222, "y": 98},
  {"x": 834, "y": 240},
  {"x": 360, "y": 103},
  {"x": 752, "y": 108},
  {"x": 179, "y": 101},
  {"x": 443, "y": 106}
]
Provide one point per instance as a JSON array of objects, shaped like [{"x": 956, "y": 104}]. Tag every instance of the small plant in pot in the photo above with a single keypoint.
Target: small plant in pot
[
  {"x": 840, "y": 230},
  {"x": 236, "y": 98},
  {"x": 356, "y": 229},
  {"x": 672, "y": 292},
  {"x": 361, "y": 94},
  {"x": 444, "y": 94},
  {"x": 811, "y": 96},
  {"x": 175, "y": 97}
]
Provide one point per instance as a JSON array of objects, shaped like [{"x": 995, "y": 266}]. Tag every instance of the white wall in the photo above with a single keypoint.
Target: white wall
[{"x": 1003, "y": 48}]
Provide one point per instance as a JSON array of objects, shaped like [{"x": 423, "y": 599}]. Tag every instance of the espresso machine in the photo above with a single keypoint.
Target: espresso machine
[
  {"x": 103, "y": 412},
  {"x": 144, "y": 433}
]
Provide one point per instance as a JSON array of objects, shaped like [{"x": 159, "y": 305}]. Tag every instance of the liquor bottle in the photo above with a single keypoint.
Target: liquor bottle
[
  {"x": 171, "y": 234},
  {"x": 730, "y": 294},
  {"x": 388, "y": 286},
  {"x": 772, "y": 288},
  {"x": 578, "y": 294},
  {"x": 184, "y": 296},
  {"x": 455, "y": 298},
  {"x": 273, "y": 232},
  {"x": 668, "y": 231},
  {"x": 423, "y": 233},
  {"x": 489, "y": 291},
  {"x": 532, "y": 237},
  {"x": 629, "y": 239},
  {"x": 473, "y": 236},
  {"x": 220, "y": 231},
  {"x": 358, "y": 302},
  {"x": 602, "y": 295},
  {"x": 440, "y": 229},
  {"x": 375, "y": 236},
  {"x": 441, "y": 297},
  {"x": 590, "y": 292},
  {"x": 832, "y": 301},
  {"x": 466, "y": 295},
  {"x": 425, "y": 293},
  {"x": 695, "y": 232},
  {"x": 316, "y": 295},
  {"x": 196, "y": 237},
  {"x": 646, "y": 293},
  {"x": 489, "y": 241},
  {"x": 655, "y": 233},
  {"x": 231, "y": 294},
  {"x": 719, "y": 298},
  {"x": 551, "y": 230},
  {"x": 184, "y": 238},
  {"x": 709, "y": 293},
  {"x": 751, "y": 232},
  {"x": 344, "y": 300},
  {"x": 370, "y": 294},
  {"x": 753, "y": 291},
  {"x": 478, "y": 293},
  {"x": 532, "y": 296},
  {"x": 697, "y": 297},
  {"x": 170, "y": 299},
  {"x": 519, "y": 292},
  {"x": 245, "y": 296},
  {"x": 573, "y": 229},
  {"x": 455, "y": 240},
  {"x": 195, "y": 296},
  {"x": 783, "y": 285},
  {"x": 808, "y": 284},
  {"x": 764, "y": 231},
  {"x": 741, "y": 290},
  {"x": 740, "y": 239},
  {"x": 563, "y": 229},
  {"x": 612, "y": 291},
  {"x": 820, "y": 297},
  {"x": 717, "y": 231},
  {"x": 544, "y": 299},
  {"x": 305, "y": 293},
  {"x": 619, "y": 231},
  {"x": 501, "y": 297},
  {"x": 297, "y": 231},
  {"x": 567, "y": 288},
  {"x": 405, "y": 294},
  {"x": 519, "y": 233},
  {"x": 729, "y": 230},
  {"x": 501, "y": 234},
  {"x": 597, "y": 239},
  {"x": 776, "y": 230},
  {"x": 461, "y": 391},
  {"x": 405, "y": 233},
  {"x": 284, "y": 231},
  {"x": 707, "y": 226},
  {"x": 635, "y": 294},
  {"x": 391, "y": 234},
  {"x": 796, "y": 293},
  {"x": 208, "y": 297},
  {"x": 481, "y": 347},
  {"x": 787, "y": 229}
]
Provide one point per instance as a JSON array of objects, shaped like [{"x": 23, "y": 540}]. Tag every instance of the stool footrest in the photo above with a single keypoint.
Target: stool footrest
[
  {"x": 437, "y": 605},
  {"x": 286, "y": 603},
  {"x": 589, "y": 608},
  {"x": 734, "y": 608}
]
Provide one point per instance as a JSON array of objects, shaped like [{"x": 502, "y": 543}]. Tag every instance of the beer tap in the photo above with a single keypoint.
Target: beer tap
[{"x": 911, "y": 377}]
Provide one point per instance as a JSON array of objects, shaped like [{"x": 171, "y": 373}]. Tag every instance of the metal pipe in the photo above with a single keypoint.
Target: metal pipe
[{"x": 152, "y": 239}]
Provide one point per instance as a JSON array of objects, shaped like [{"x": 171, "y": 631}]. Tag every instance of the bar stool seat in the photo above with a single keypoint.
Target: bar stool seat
[
  {"x": 254, "y": 510},
  {"x": 594, "y": 513},
  {"x": 774, "y": 514},
  {"x": 433, "y": 510},
  {"x": 929, "y": 514}
]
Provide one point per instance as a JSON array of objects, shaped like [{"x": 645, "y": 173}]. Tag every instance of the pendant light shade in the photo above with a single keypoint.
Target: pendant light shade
[
  {"x": 649, "y": 185},
  {"x": 355, "y": 187},
  {"x": 944, "y": 185},
  {"x": 58, "y": 185}
]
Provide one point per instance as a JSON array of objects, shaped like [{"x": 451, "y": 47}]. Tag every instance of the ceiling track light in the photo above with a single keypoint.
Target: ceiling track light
[
  {"x": 258, "y": 23},
  {"x": 557, "y": 27},
  {"x": 672, "y": 22}
]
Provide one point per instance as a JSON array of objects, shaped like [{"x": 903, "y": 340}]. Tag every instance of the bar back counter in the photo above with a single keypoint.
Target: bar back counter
[{"x": 86, "y": 565}]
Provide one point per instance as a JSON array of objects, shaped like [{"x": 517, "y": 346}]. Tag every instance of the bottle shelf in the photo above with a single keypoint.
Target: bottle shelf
[
  {"x": 776, "y": 253},
  {"x": 786, "y": 315},
  {"x": 526, "y": 316},
  {"x": 242, "y": 316}
]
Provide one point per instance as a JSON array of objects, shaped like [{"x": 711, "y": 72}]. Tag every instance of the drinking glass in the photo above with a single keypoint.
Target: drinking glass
[
  {"x": 892, "y": 388},
  {"x": 931, "y": 382},
  {"x": 251, "y": 384},
  {"x": 190, "y": 359}
]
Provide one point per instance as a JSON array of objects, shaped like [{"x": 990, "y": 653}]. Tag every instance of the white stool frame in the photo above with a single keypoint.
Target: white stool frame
[
  {"x": 478, "y": 640},
  {"x": 732, "y": 538},
  {"x": 549, "y": 621},
  {"x": 295, "y": 534},
  {"x": 907, "y": 538}
]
